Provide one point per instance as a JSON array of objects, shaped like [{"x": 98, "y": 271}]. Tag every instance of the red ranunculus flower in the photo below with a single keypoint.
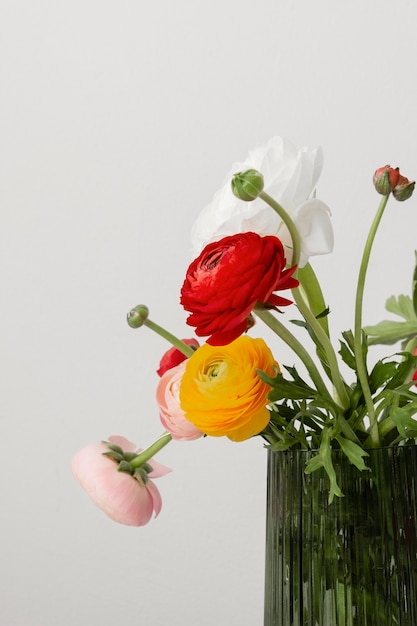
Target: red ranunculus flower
[
  {"x": 173, "y": 357},
  {"x": 228, "y": 278}
]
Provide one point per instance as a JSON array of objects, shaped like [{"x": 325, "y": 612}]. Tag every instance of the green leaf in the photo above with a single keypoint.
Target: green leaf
[
  {"x": 347, "y": 355},
  {"x": 389, "y": 332},
  {"x": 287, "y": 389},
  {"x": 324, "y": 459},
  {"x": 381, "y": 372},
  {"x": 405, "y": 422},
  {"x": 354, "y": 452}
]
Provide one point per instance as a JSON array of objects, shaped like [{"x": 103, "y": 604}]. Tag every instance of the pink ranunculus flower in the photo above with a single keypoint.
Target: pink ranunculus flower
[
  {"x": 170, "y": 412},
  {"x": 173, "y": 356},
  {"x": 123, "y": 497},
  {"x": 290, "y": 177}
]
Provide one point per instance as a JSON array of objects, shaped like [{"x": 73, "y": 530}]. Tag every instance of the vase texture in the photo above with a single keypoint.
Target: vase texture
[{"x": 352, "y": 562}]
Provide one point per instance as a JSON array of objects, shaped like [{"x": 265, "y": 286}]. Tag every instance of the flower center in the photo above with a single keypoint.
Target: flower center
[
  {"x": 212, "y": 260},
  {"x": 215, "y": 369}
]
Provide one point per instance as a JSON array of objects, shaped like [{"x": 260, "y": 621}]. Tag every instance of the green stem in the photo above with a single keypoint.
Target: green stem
[
  {"x": 177, "y": 343},
  {"x": 359, "y": 356},
  {"x": 313, "y": 294},
  {"x": 147, "y": 454},
  {"x": 275, "y": 325},
  {"x": 323, "y": 339},
  {"x": 296, "y": 243},
  {"x": 309, "y": 317}
]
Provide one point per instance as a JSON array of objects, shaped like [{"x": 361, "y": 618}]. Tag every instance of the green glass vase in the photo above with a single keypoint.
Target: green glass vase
[{"x": 349, "y": 563}]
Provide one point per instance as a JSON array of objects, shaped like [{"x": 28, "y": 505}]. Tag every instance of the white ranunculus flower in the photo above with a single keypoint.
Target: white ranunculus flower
[{"x": 290, "y": 176}]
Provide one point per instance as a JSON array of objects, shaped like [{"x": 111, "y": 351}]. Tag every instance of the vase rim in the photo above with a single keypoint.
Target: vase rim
[{"x": 368, "y": 450}]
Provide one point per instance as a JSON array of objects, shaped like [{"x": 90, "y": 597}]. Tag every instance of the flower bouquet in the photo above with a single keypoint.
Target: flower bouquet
[{"x": 337, "y": 551}]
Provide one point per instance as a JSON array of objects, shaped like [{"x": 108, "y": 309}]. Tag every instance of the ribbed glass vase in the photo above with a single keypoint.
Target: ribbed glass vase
[{"x": 349, "y": 563}]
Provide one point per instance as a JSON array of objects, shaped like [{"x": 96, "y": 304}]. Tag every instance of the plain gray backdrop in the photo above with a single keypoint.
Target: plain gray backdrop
[{"x": 118, "y": 123}]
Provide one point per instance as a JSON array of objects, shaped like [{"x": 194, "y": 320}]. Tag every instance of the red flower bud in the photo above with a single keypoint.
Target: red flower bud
[
  {"x": 403, "y": 189},
  {"x": 385, "y": 179}
]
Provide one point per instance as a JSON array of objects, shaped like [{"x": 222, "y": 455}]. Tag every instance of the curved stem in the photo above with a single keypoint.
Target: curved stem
[
  {"x": 296, "y": 244},
  {"x": 177, "y": 343},
  {"x": 313, "y": 294},
  {"x": 325, "y": 343},
  {"x": 316, "y": 326},
  {"x": 275, "y": 325},
  {"x": 358, "y": 340},
  {"x": 147, "y": 454}
]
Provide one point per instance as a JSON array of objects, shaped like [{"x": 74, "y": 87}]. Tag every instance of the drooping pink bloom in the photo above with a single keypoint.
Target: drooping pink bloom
[
  {"x": 173, "y": 356},
  {"x": 124, "y": 498},
  {"x": 170, "y": 412}
]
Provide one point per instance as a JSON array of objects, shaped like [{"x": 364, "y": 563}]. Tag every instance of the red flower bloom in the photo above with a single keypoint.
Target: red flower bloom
[
  {"x": 173, "y": 357},
  {"x": 230, "y": 276}
]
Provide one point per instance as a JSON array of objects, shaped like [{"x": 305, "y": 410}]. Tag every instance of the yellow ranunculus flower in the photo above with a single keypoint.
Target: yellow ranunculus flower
[{"x": 221, "y": 392}]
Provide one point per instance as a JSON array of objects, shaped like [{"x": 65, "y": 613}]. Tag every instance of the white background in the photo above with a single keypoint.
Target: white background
[{"x": 118, "y": 123}]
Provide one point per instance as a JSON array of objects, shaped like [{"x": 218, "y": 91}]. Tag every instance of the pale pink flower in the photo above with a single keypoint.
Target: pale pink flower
[
  {"x": 123, "y": 497},
  {"x": 170, "y": 412}
]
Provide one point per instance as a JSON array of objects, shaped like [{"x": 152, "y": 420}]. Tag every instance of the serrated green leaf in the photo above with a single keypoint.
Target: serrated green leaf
[
  {"x": 354, "y": 452},
  {"x": 405, "y": 422},
  {"x": 324, "y": 459},
  {"x": 401, "y": 305},
  {"x": 285, "y": 389},
  {"x": 381, "y": 372},
  {"x": 347, "y": 355},
  {"x": 389, "y": 332}
]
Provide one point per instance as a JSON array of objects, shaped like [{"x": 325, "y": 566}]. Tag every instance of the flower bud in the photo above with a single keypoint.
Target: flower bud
[
  {"x": 137, "y": 316},
  {"x": 247, "y": 185},
  {"x": 404, "y": 189},
  {"x": 385, "y": 179}
]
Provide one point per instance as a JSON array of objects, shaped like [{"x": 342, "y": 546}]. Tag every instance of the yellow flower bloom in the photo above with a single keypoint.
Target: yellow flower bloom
[{"x": 221, "y": 392}]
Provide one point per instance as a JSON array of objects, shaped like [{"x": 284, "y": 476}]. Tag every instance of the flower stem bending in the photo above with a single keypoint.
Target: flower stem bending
[
  {"x": 275, "y": 325},
  {"x": 177, "y": 343},
  {"x": 139, "y": 316},
  {"x": 320, "y": 332},
  {"x": 147, "y": 454},
  {"x": 358, "y": 340},
  {"x": 296, "y": 244}
]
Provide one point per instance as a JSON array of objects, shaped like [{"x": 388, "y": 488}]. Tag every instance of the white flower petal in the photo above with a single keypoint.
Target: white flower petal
[{"x": 290, "y": 176}]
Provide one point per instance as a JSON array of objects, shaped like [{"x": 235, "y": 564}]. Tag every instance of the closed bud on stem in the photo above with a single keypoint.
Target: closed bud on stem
[
  {"x": 247, "y": 185},
  {"x": 404, "y": 189},
  {"x": 385, "y": 179},
  {"x": 138, "y": 316}
]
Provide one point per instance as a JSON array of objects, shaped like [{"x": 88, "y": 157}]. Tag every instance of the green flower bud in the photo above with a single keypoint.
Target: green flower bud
[
  {"x": 247, "y": 185},
  {"x": 138, "y": 316},
  {"x": 404, "y": 189}
]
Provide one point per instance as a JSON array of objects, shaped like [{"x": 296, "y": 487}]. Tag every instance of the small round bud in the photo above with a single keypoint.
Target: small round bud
[
  {"x": 138, "y": 316},
  {"x": 247, "y": 185},
  {"x": 385, "y": 179},
  {"x": 404, "y": 189}
]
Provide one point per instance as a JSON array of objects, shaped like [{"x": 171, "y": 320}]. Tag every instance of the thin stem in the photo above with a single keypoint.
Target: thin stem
[
  {"x": 177, "y": 343},
  {"x": 324, "y": 341},
  {"x": 275, "y": 325},
  {"x": 147, "y": 454},
  {"x": 316, "y": 326},
  {"x": 313, "y": 294},
  {"x": 296, "y": 244},
  {"x": 359, "y": 356}
]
